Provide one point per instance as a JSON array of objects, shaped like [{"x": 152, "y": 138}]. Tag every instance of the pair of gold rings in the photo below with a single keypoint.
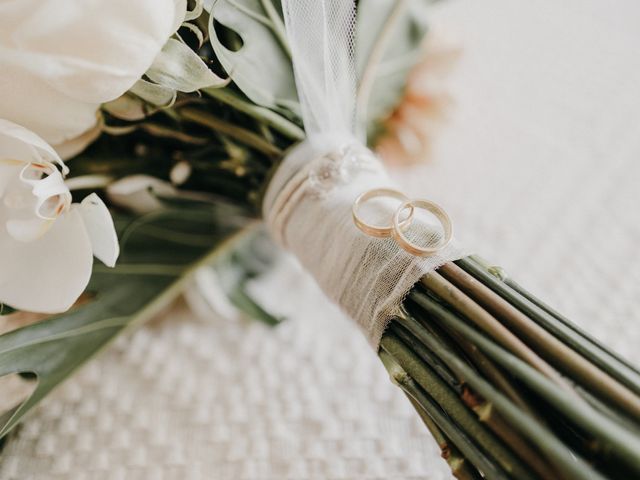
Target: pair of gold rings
[{"x": 399, "y": 224}]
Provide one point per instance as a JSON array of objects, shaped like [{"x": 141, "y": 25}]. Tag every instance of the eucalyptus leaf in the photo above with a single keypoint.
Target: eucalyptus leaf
[
  {"x": 159, "y": 251},
  {"x": 261, "y": 67}
]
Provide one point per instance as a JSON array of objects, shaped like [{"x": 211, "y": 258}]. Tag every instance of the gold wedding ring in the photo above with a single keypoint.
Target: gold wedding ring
[
  {"x": 409, "y": 246},
  {"x": 375, "y": 230}
]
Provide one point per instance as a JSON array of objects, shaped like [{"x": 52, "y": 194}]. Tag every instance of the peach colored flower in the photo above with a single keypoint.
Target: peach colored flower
[{"x": 408, "y": 132}]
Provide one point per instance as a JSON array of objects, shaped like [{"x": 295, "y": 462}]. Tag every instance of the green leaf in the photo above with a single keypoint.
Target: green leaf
[
  {"x": 6, "y": 309},
  {"x": 401, "y": 55},
  {"x": 159, "y": 251},
  {"x": 153, "y": 93},
  {"x": 261, "y": 114},
  {"x": 260, "y": 67},
  {"x": 179, "y": 68},
  {"x": 250, "y": 258}
]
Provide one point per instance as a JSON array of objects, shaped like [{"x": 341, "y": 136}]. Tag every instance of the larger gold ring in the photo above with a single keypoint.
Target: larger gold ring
[
  {"x": 407, "y": 244},
  {"x": 375, "y": 230}
]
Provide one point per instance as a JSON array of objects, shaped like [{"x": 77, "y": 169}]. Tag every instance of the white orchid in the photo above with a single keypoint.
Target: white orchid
[
  {"x": 61, "y": 59},
  {"x": 47, "y": 243}
]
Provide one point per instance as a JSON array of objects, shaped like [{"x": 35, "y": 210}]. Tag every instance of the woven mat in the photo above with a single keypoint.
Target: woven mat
[{"x": 545, "y": 149}]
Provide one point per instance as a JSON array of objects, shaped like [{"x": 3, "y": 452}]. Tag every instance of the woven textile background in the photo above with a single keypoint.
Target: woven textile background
[{"x": 540, "y": 170}]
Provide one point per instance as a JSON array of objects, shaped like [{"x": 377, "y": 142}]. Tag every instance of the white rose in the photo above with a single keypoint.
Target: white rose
[
  {"x": 61, "y": 59},
  {"x": 47, "y": 243}
]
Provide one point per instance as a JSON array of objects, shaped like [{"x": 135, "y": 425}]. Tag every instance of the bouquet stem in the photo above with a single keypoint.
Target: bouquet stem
[{"x": 508, "y": 386}]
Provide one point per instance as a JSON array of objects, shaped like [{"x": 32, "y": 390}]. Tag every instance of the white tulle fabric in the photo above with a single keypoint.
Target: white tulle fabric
[{"x": 308, "y": 203}]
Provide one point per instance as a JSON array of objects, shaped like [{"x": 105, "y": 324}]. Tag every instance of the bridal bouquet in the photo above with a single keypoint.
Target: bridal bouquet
[{"x": 155, "y": 135}]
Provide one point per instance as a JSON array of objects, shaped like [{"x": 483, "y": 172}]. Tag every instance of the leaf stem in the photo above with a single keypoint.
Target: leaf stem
[
  {"x": 453, "y": 296},
  {"x": 484, "y": 409},
  {"x": 429, "y": 358},
  {"x": 557, "y": 352},
  {"x": 471, "y": 451},
  {"x": 368, "y": 76},
  {"x": 277, "y": 25},
  {"x": 460, "y": 467},
  {"x": 269, "y": 117},
  {"x": 615, "y": 439},
  {"x": 559, "y": 326},
  {"x": 489, "y": 369},
  {"x": 243, "y": 135},
  {"x": 452, "y": 405}
]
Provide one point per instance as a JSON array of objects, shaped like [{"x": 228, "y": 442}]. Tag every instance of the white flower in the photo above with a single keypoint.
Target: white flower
[
  {"x": 61, "y": 59},
  {"x": 144, "y": 194},
  {"x": 47, "y": 243},
  {"x": 140, "y": 193}
]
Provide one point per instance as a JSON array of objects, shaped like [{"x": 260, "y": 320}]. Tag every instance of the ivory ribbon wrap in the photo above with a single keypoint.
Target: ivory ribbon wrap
[{"x": 307, "y": 206}]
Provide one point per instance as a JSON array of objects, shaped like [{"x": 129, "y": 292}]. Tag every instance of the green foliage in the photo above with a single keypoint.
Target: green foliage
[
  {"x": 548, "y": 400},
  {"x": 232, "y": 138},
  {"x": 258, "y": 64},
  {"x": 401, "y": 54},
  {"x": 255, "y": 53},
  {"x": 251, "y": 256},
  {"x": 159, "y": 251},
  {"x": 6, "y": 309}
]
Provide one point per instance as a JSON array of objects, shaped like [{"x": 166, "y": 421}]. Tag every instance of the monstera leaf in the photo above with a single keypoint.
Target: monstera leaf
[
  {"x": 159, "y": 251},
  {"x": 260, "y": 65}
]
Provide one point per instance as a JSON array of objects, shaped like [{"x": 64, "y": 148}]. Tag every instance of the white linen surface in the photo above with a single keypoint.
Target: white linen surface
[{"x": 540, "y": 170}]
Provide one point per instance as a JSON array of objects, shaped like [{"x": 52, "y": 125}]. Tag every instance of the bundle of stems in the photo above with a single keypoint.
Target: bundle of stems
[{"x": 509, "y": 388}]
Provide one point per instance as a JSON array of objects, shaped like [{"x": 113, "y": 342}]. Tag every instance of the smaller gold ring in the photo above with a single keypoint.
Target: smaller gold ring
[
  {"x": 411, "y": 247},
  {"x": 374, "y": 230}
]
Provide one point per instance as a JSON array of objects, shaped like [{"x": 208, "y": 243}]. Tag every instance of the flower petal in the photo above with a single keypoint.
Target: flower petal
[
  {"x": 48, "y": 274},
  {"x": 55, "y": 76},
  {"x": 9, "y": 170},
  {"x": 139, "y": 193},
  {"x": 28, "y": 230},
  {"x": 125, "y": 38},
  {"x": 70, "y": 148},
  {"x": 19, "y": 143},
  {"x": 40, "y": 107},
  {"x": 182, "y": 14},
  {"x": 99, "y": 226}
]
